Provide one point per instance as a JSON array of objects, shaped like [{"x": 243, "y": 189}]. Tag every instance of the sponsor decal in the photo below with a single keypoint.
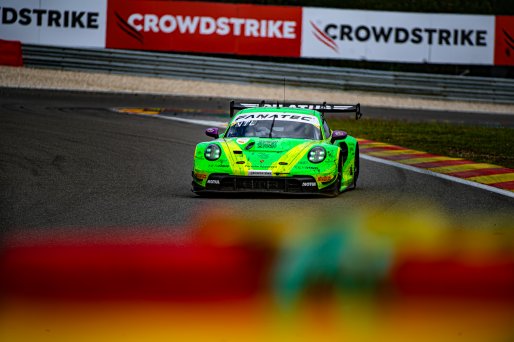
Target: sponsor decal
[
  {"x": 259, "y": 173},
  {"x": 397, "y": 36},
  {"x": 504, "y": 45},
  {"x": 301, "y": 165},
  {"x": 242, "y": 141},
  {"x": 276, "y": 116},
  {"x": 267, "y": 144},
  {"x": 204, "y": 27},
  {"x": 213, "y": 181},
  {"x": 309, "y": 184},
  {"x": 324, "y": 178},
  {"x": 300, "y": 106},
  {"x": 54, "y": 22}
]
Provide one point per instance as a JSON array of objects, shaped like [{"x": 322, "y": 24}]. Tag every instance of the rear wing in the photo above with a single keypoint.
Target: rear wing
[{"x": 322, "y": 108}]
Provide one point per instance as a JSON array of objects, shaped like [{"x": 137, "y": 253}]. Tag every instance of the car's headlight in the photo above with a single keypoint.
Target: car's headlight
[
  {"x": 212, "y": 152},
  {"x": 317, "y": 154}
]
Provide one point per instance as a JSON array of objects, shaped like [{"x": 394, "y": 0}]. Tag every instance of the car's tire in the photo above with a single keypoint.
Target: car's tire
[{"x": 357, "y": 166}]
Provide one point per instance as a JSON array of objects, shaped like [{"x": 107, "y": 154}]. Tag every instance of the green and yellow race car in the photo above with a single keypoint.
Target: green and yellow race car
[{"x": 278, "y": 148}]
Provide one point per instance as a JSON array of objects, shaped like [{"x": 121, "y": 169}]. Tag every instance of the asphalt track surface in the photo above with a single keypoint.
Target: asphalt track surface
[{"x": 68, "y": 161}]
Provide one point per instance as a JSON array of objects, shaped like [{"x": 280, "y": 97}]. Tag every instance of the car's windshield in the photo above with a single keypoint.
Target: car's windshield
[{"x": 275, "y": 126}]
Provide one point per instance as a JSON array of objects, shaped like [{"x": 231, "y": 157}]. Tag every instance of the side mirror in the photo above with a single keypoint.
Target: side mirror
[
  {"x": 338, "y": 135},
  {"x": 212, "y": 132}
]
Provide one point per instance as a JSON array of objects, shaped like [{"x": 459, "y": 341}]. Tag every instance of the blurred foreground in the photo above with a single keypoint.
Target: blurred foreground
[{"x": 315, "y": 276}]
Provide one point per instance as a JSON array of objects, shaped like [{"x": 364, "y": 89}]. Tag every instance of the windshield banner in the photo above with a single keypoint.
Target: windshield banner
[{"x": 276, "y": 116}]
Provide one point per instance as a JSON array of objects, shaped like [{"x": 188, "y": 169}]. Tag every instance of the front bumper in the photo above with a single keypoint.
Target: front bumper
[{"x": 224, "y": 183}]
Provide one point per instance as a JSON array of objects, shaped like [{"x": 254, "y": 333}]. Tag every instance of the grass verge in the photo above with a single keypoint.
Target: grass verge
[{"x": 480, "y": 144}]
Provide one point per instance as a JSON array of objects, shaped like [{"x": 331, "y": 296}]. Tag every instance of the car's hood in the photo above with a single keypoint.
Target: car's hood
[
  {"x": 265, "y": 144},
  {"x": 278, "y": 155}
]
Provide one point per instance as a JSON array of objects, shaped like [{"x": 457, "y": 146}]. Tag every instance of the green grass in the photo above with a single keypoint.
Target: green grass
[{"x": 480, "y": 144}]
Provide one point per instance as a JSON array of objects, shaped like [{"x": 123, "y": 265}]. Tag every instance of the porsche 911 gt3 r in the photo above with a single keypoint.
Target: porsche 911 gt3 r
[{"x": 278, "y": 148}]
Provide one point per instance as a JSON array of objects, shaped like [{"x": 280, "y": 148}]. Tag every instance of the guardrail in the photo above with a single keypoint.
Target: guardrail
[{"x": 212, "y": 68}]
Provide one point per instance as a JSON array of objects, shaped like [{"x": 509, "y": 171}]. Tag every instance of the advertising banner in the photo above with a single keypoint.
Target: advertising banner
[
  {"x": 504, "y": 46},
  {"x": 398, "y": 36},
  {"x": 259, "y": 30},
  {"x": 11, "y": 53},
  {"x": 73, "y": 23},
  {"x": 204, "y": 27}
]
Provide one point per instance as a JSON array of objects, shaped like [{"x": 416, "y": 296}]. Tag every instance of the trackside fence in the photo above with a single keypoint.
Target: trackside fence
[{"x": 164, "y": 65}]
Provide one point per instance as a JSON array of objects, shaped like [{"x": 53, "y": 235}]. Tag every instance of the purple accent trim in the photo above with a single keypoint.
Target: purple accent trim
[
  {"x": 339, "y": 135},
  {"x": 212, "y": 132}
]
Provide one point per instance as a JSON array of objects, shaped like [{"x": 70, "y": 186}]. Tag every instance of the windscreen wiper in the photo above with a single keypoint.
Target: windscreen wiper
[{"x": 272, "y": 124}]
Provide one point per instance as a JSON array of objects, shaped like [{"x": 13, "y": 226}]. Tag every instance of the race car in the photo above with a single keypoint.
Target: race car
[{"x": 278, "y": 148}]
